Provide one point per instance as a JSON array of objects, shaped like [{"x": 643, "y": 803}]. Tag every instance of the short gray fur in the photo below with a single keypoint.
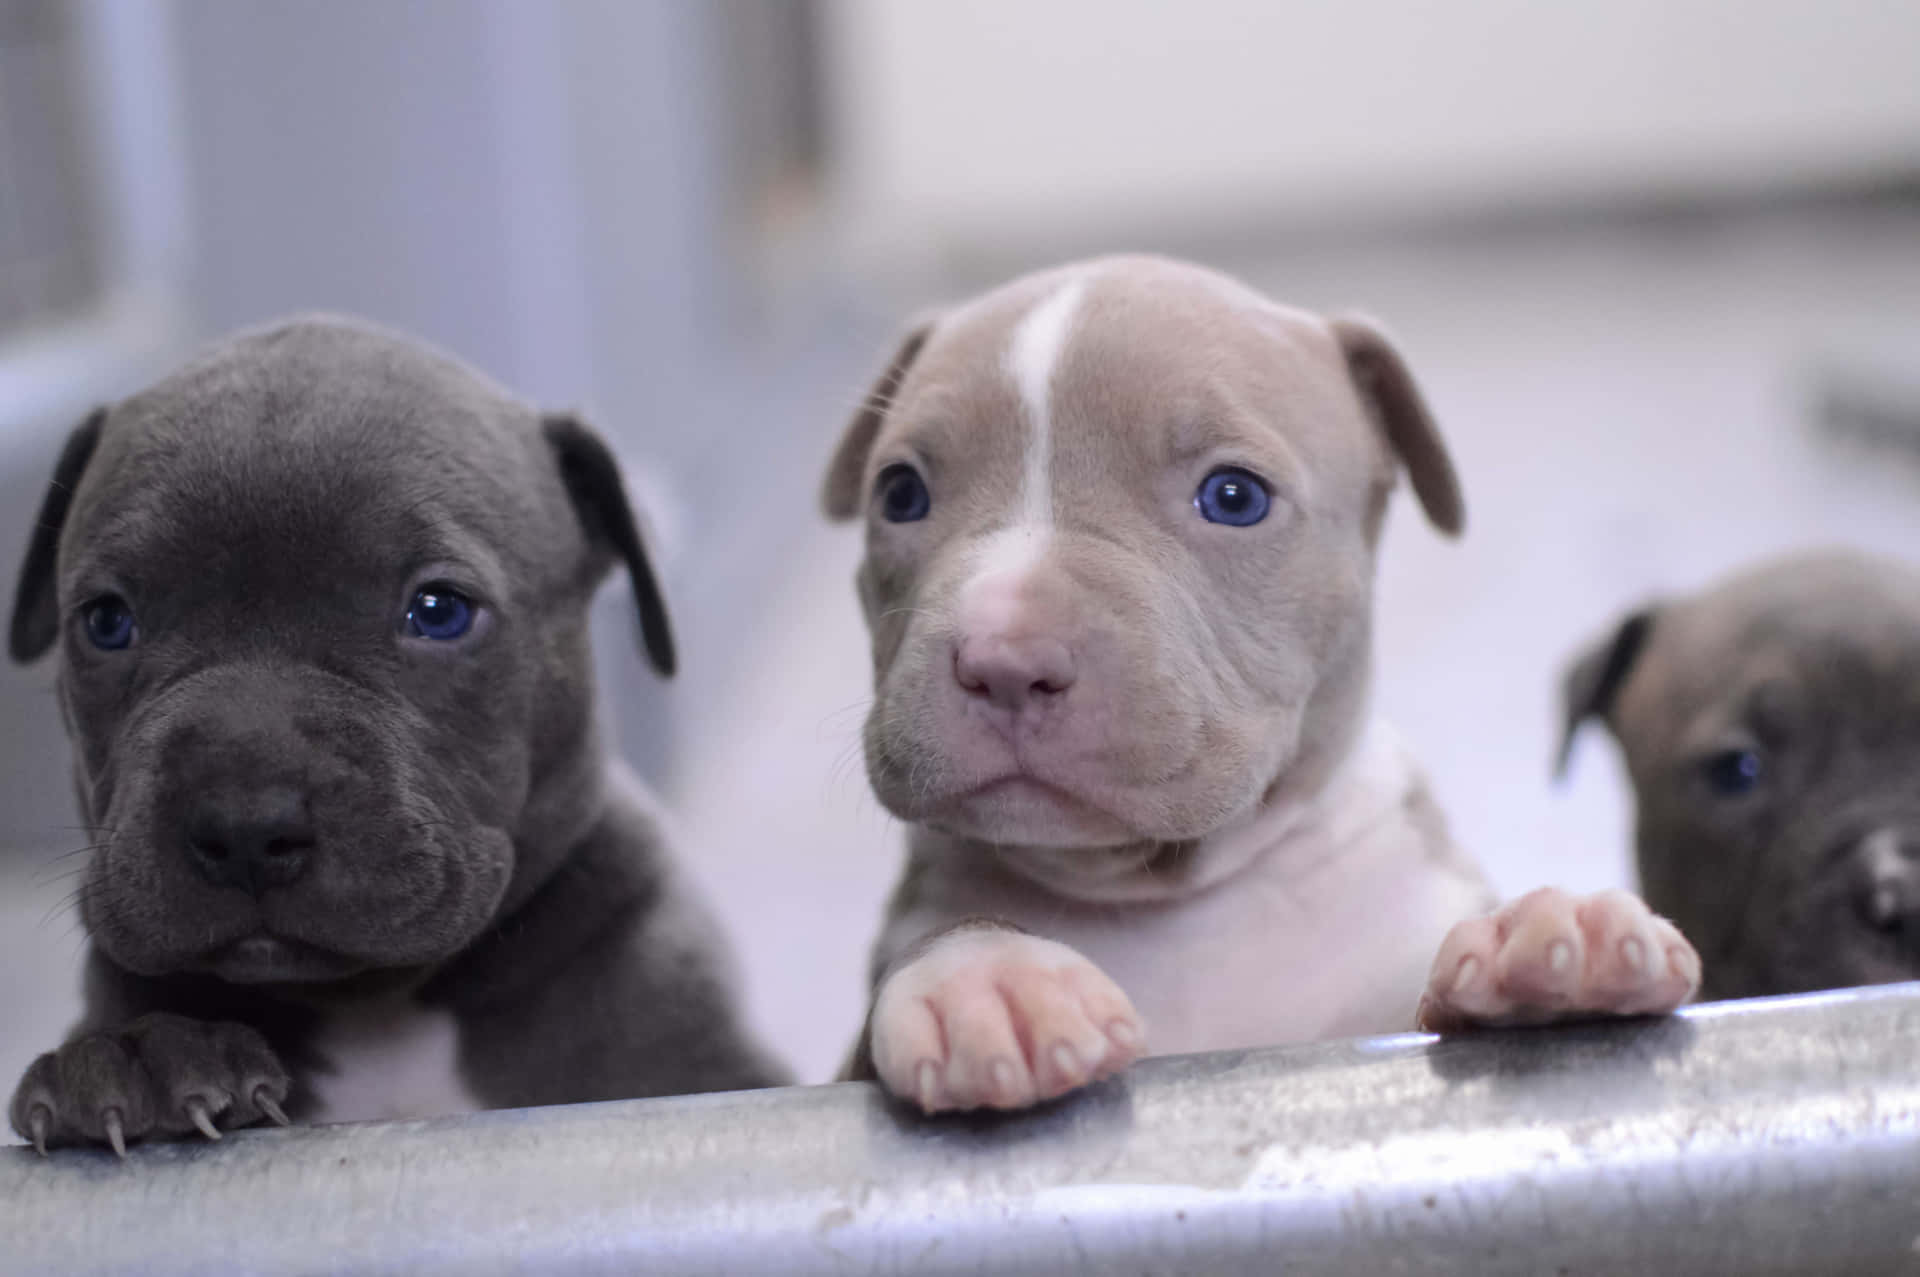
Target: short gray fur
[
  {"x": 1808, "y": 665},
  {"x": 1777, "y": 1136},
  {"x": 429, "y": 832}
]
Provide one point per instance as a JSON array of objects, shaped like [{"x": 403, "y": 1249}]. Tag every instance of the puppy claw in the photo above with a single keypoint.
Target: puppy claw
[
  {"x": 927, "y": 1086},
  {"x": 116, "y": 1132},
  {"x": 265, "y": 1103},
  {"x": 1002, "y": 1085},
  {"x": 1685, "y": 962},
  {"x": 202, "y": 1117},
  {"x": 41, "y": 1119}
]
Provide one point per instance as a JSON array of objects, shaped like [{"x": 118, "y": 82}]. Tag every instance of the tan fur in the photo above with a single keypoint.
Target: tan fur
[
  {"x": 1171, "y": 371},
  {"x": 1119, "y": 725}
]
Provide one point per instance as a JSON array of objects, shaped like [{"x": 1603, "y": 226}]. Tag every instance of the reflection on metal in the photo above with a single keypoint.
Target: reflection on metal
[{"x": 1777, "y": 1136}]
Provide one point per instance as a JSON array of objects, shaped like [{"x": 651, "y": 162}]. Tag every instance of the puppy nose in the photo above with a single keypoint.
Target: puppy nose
[
  {"x": 1013, "y": 673},
  {"x": 251, "y": 840}
]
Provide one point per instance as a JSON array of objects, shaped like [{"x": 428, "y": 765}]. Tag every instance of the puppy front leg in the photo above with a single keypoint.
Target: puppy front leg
[
  {"x": 984, "y": 1015},
  {"x": 159, "y": 1076},
  {"x": 153, "y": 1059},
  {"x": 1553, "y": 956}
]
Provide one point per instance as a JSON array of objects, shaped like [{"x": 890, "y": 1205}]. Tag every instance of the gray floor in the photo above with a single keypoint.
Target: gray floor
[{"x": 1628, "y": 408}]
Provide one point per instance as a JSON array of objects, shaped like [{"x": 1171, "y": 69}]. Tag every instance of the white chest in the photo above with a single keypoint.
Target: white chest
[
  {"x": 1262, "y": 962},
  {"x": 1328, "y": 934},
  {"x": 389, "y": 1060}
]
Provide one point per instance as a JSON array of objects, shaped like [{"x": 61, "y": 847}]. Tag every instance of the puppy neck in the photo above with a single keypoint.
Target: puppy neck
[
  {"x": 1296, "y": 836},
  {"x": 1302, "y": 823}
]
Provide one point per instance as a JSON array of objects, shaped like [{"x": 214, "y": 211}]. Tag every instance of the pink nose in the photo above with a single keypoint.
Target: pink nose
[{"x": 1013, "y": 673}]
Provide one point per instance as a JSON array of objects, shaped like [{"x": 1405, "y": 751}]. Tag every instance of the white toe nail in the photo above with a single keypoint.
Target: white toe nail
[
  {"x": 1066, "y": 1062},
  {"x": 1469, "y": 972},
  {"x": 927, "y": 1079},
  {"x": 1003, "y": 1079},
  {"x": 1634, "y": 954},
  {"x": 1559, "y": 956}
]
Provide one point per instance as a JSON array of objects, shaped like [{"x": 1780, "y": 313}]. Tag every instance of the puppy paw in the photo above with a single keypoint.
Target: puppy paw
[
  {"x": 1553, "y": 956},
  {"x": 159, "y": 1077},
  {"x": 989, "y": 1018}
]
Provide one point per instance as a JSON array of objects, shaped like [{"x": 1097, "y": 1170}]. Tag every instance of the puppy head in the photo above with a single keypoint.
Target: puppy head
[
  {"x": 1771, "y": 727},
  {"x": 1121, "y": 521},
  {"x": 319, "y": 602}
]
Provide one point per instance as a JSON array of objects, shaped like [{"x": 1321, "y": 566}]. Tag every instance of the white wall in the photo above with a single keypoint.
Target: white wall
[{"x": 963, "y": 125}]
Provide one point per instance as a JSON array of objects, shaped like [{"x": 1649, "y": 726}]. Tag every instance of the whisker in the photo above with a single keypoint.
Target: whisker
[
  {"x": 70, "y": 900},
  {"x": 46, "y": 881},
  {"x": 55, "y": 858}
]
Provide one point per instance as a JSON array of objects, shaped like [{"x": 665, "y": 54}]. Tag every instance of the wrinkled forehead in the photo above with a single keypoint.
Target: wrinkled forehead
[
  {"x": 1821, "y": 661},
  {"x": 1140, "y": 362},
  {"x": 343, "y": 475}
]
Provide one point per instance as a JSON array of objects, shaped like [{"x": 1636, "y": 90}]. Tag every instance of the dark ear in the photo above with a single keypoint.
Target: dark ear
[
  {"x": 1596, "y": 676},
  {"x": 36, "y": 601},
  {"x": 1389, "y": 392},
  {"x": 840, "y": 495},
  {"x": 592, "y": 478}
]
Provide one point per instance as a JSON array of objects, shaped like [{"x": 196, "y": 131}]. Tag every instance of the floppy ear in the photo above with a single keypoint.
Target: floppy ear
[
  {"x": 840, "y": 495},
  {"x": 1596, "y": 676},
  {"x": 1389, "y": 392},
  {"x": 36, "y": 601},
  {"x": 592, "y": 479}
]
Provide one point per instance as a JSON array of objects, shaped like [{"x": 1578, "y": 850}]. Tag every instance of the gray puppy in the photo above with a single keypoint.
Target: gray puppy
[
  {"x": 320, "y": 606},
  {"x": 1771, "y": 726}
]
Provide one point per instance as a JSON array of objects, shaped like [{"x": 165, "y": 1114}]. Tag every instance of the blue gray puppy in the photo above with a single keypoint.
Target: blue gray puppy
[
  {"x": 1771, "y": 726},
  {"x": 319, "y": 602}
]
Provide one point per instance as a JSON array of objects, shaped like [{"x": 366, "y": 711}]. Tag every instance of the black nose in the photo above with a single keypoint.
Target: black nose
[{"x": 253, "y": 840}]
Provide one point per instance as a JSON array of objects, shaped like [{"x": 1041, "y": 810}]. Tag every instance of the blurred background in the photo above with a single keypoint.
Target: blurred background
[{"x": 1656, "y": 262}]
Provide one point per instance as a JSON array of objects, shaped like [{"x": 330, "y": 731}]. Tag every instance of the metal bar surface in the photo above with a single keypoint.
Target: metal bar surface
[{"x": 1774, "y": 1136}]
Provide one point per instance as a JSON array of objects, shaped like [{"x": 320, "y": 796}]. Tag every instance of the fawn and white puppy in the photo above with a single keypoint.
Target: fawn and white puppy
[{"x": 1121, "y": 524}]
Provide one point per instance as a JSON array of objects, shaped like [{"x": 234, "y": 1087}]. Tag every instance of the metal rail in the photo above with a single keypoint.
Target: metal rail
[{"x": 1775, "y": 1136}]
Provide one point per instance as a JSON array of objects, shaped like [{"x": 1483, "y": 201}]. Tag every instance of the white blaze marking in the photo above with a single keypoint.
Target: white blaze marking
[
  {"x": 1038, "y": 343},
  {"x": 1003, "y": 559}
]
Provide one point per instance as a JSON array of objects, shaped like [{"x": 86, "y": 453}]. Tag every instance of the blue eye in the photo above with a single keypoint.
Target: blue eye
[
  {"x": 903, "y": 494},
  {"x": 109, "y": 623},
  {"x": 1735, "y": 772},
  {"x": 1232, "y": 497},
  {"x": 439, "y": 612}
]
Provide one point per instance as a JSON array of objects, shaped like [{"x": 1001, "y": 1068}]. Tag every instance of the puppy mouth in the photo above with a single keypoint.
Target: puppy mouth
[
  {"x": 1024, "y": 785},
  {"x": 261, "y": 957},
  {"x": 1022, "y": 808}
]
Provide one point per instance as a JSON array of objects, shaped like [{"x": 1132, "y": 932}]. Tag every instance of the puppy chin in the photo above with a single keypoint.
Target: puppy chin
[
  {"x": 262, "y": 958},
  {"x": 1022, "y": 812},
  {"x": 242, "y": 954}
]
